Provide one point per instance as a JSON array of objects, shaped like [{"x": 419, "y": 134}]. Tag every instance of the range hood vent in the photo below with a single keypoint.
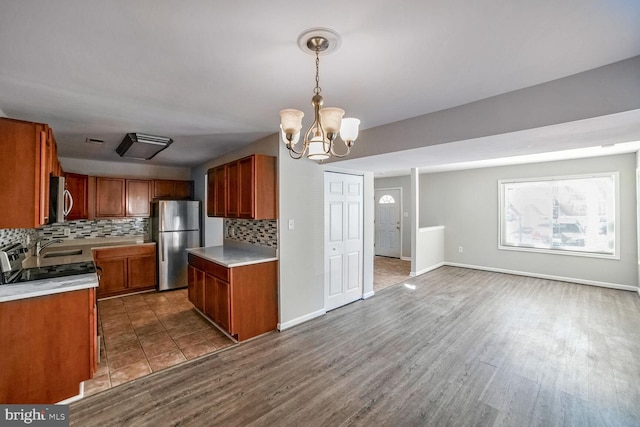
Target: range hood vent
[{"x": 141, "y": 146}]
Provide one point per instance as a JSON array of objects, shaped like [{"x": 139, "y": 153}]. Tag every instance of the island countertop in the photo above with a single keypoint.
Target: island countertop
[{"x": 233, "y": 255}]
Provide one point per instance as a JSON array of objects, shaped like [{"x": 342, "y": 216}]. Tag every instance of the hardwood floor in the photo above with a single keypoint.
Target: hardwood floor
[{"x": 464, "y": 348}]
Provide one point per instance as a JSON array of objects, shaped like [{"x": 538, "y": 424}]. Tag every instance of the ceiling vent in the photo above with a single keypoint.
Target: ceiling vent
[{"x": 141, "y": 146}]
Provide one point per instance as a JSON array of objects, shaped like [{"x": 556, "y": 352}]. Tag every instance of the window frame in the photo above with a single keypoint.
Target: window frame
[{"x": 565, "y": 252}]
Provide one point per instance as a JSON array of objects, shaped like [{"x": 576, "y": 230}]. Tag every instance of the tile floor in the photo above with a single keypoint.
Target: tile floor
[
  {"x": 389, "y": 271},
  {"x": 145, "y": 333}
]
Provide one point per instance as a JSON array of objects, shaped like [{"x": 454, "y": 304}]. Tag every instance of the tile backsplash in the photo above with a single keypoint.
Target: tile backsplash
[
  {"x": 257, "y": 232},
  {"x": 81, "y": 229}
]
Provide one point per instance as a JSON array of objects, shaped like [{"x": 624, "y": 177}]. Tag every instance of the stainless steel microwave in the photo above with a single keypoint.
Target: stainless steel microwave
[{"x": 60, "y": 200}]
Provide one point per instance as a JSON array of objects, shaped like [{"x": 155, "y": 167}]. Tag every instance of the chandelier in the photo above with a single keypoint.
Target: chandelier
[{"x": 328, "y": 122}]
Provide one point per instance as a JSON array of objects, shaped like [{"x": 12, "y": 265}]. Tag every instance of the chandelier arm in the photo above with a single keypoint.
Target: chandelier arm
[
  {"x": 292, "y": 149},
  {"x": 297, "y": 156},
  {"x": 345, "y": 154}
]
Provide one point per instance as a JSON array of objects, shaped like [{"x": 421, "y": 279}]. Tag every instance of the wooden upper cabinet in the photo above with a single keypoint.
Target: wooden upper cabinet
[
  {"x": 183, "y": 190},
  {"x": 24, "y": 168},
  {"x": 138, "y": 197},
  {"x": 211, "y": 192},
  {"x": 245, "y": 188},
  {"x": 162, "y": 188},
  {"x": 78, "y": 186},
  {"x": 110, "y": 197},
  {"x": 233, "y": 189},
  {"x": 172, "y": 189}
]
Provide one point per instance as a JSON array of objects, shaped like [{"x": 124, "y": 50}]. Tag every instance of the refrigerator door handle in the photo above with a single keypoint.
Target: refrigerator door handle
[{"x": 162, "y": 250}]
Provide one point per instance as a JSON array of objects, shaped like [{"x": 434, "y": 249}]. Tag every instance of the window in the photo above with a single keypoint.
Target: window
[
  {"x": 574, "y": 215},
  {"x": 386, "y": 199}
]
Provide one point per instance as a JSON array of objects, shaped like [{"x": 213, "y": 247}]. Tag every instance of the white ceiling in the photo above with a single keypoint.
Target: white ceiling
[{"x": 213, "y": 75}]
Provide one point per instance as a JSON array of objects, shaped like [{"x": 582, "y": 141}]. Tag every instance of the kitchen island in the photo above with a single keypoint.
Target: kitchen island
[{"x": 236, "y": 287}]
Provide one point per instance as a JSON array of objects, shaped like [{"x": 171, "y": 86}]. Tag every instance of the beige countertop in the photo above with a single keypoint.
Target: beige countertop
[
  {"x": 78, "y": 250},
  {"x": 69, "y": 252}
]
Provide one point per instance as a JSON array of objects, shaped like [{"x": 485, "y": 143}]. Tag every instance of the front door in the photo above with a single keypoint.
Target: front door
[
  {"x": 343, "y": 238},
  {"x": 387, "y": 222}
]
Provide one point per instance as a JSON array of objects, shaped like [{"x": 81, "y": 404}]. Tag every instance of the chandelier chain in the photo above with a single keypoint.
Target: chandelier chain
[{"x": 317, "y": 89}]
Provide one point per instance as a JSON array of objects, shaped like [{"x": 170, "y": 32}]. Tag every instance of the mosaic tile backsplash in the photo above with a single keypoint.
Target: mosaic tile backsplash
[
  {"x": 257, "y": 232},
  {"x": 81, "y": 229}
]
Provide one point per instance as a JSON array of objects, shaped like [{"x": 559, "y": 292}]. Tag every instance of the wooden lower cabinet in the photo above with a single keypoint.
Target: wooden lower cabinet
[
  {"x": 243, "y": 301},
  {"x": 195, "y": 278},
  {"x": 126, "y": 269},
  {"x": 48, "y": 347}
]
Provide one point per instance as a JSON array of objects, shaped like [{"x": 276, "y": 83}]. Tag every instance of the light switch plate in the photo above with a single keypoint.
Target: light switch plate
[{"x": 290, "y": 224}]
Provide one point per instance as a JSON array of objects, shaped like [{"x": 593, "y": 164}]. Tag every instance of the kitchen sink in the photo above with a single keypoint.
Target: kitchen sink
[{"x": 69, "y": 252}]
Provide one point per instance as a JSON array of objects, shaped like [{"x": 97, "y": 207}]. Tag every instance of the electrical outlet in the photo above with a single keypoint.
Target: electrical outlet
[
  {"x": 460, "y": 250},
  {"x": 66, "y": 231}
]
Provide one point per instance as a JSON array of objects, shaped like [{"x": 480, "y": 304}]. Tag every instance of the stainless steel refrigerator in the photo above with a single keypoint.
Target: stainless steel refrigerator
[{"x": 175, "y": 226}]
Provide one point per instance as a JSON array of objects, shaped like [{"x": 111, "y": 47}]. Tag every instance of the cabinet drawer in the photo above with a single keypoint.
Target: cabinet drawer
[
  {"x": 210, "y": 267},
  {"x": 197, "y": 262},
  {"x": 216, "y": 270}
]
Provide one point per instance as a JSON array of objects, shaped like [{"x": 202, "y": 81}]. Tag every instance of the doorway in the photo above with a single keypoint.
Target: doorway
[
  {"x": 343, "y": 241},
  {"x": 388, "y": 224}
]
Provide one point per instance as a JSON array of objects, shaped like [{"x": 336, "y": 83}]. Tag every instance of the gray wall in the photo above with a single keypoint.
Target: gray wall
[
  {"x": 405, "y": 183},
  {"x": 606, "y": 90},
  {"x": 301, "y": 189},
  {"x": 466, "y": 202},
  {"x": 123, "y": 169}
]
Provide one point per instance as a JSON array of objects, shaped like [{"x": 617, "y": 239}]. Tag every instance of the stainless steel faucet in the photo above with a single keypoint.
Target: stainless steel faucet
[{"x": 40, "y": 246}]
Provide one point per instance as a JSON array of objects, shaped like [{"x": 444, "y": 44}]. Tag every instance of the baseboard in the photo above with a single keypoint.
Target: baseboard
[
  {"x": 73, "y": 398},
  {"x": 405, "y": 258},
  {"x": 368, "y": 294},
  {"x": 548, "y": 276},
  {"x": 301, "y": 319},
  {"x": 426, "y": 270}
]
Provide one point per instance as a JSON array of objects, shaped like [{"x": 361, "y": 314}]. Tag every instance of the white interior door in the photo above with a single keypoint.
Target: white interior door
[
  {"x": 343, "y": 238},
  {"x": 387, "y": 222}
]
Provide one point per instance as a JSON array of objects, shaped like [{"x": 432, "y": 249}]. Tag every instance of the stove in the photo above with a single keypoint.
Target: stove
[{"x": 11, "y": 257}]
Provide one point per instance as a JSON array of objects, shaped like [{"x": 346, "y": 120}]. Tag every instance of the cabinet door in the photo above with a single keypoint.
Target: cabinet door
[
  {"x": 210, "y": 297},
  {"x": 183, "y": 190},
  {"x": 138, "y": 197},
  {"x": 196, "y": 278},
  {"x": 113, "y": 277},
  {"x": 211, "y": 192},
  {"x": 110, "y": 197},
  {"x": 222, "y": 310},
  {"x": 216, "y": 301},
  {"x": 233, "y": 190},
  {"x": 220, "y": 192},
  {"x": 45, "y": 170},
  {"x": 162, "y": 189},
  {"x": 141, "y": 272},
  {"x": 246, "y": 188},
  {"x": 78, "y": 187},
  {"x": 20, "y": 171}
]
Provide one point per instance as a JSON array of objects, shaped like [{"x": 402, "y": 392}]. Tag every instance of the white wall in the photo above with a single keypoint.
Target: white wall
[
  {"x": 466, "y": 203},
  {"x": 123, "y": 169}
]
